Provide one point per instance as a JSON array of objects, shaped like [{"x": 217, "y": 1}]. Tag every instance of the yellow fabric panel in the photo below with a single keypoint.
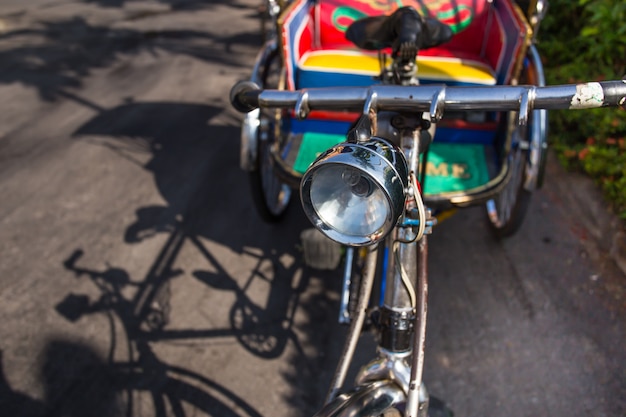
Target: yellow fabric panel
[{"x": 435, "y": 68}]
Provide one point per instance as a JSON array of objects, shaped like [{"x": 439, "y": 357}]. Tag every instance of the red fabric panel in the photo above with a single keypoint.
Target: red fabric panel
[{"x": 332, "y": 17}]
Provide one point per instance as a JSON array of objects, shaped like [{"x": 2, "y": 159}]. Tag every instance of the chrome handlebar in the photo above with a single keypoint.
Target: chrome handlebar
[{"x": 434, "y": 99}]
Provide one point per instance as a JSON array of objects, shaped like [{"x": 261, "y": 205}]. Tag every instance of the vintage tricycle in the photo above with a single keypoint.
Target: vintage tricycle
[
  {"x": 477, "y": 156},
  {"x": 383, "y": 113}
]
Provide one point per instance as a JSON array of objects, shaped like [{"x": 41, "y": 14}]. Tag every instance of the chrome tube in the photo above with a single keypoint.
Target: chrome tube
[
  {"x": 396, "y": 296},
  {"x": 436, "y": 98},
  {"x": 390, "y": 366},
  {"x": 248, "y": 148},
  {"x": 252, "y": 122},
  {"x": 355, "y": 326},
  {"x": 368, "y": 401},
  {"x": 415, "y": 408}
]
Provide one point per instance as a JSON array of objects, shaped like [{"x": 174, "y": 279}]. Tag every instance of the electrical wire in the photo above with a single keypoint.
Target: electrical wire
[
  {"x": 421, "y": 209},
  {"x": 403, "y": 275}
]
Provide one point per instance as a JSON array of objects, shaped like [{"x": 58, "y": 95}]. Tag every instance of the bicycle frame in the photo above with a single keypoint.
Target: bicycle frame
[{"x": 396, "y": 375}]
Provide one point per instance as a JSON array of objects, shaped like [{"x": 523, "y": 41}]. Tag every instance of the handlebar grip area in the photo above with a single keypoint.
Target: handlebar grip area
[
  {"x": 244, "y": 96},
  {"x": 623, "y": 100},
  {"x": 615, "y": 93}
]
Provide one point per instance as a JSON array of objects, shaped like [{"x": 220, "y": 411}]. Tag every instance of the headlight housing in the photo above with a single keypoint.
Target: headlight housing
[{"x": 355, "y": 192}]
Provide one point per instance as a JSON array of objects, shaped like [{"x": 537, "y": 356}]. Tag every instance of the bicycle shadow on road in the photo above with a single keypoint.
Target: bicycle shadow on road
[
  {"x": 209, "y": 213},
  {"x": 205, "y": 210},
  {"x": 195, "y": 171}
]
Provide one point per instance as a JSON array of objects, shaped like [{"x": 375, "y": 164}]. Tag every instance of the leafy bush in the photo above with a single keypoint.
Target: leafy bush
[{"x": 585, "y": 40}]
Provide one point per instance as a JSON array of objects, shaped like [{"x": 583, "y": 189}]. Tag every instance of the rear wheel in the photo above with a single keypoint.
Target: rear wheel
[
  {"x": 507, "y": 210},
  {"x": 270, "y": 195}
]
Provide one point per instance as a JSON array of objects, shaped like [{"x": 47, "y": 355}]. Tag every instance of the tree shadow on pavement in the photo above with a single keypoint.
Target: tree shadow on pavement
[
  {"x": 15, "y": 403},
  {"x": 55, "y": 56}
]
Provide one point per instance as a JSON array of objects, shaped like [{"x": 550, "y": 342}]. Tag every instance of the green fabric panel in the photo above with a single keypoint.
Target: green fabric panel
[
  {"x": 313, "y": 144},
  {"x": 455, "y": 167},
  {"x": 450, "y": 167}
]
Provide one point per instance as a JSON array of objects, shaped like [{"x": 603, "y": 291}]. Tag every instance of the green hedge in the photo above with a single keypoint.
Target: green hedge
[{"x": 585, "y": 40}]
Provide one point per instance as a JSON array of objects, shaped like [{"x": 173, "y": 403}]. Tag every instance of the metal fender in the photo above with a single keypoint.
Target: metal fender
[
  {"x": 538, "y": 128},
  {"x": 249, "y": 141},
  {"x": 252, "y": 121}
]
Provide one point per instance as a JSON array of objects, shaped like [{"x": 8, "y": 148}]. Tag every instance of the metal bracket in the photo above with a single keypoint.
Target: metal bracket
[
  {"x": 526, "y": 106},
  {"x": 302, "y": 105},
  {"x": 437, "y": 105},
  {"x": 370, "y": 102}
]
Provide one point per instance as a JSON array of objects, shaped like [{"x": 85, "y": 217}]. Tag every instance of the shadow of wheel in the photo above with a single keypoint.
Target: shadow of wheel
[
  {"x": 261, "y": 337},
  {"x": 179, "y": 392}
]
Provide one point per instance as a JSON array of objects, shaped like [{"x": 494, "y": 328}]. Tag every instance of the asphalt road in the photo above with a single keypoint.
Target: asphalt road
[{"x": 136, "y": 279}]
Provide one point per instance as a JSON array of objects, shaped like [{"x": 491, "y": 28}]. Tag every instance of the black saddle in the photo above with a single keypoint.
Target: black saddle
[{"x": 405, "y": 31}]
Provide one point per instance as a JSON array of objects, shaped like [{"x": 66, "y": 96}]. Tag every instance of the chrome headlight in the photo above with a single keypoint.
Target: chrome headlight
[{"x": 355, "y": 192}]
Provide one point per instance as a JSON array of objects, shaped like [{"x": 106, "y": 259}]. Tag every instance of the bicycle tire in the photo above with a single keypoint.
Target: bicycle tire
[
  {"x": 507, "y": 210},
  {"x": 270, "y": 195}
]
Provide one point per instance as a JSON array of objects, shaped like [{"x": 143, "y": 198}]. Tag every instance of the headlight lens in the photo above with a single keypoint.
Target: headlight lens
[
  {"x": 354, "y": 193},
  {"x": 343, "y": 197}
]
